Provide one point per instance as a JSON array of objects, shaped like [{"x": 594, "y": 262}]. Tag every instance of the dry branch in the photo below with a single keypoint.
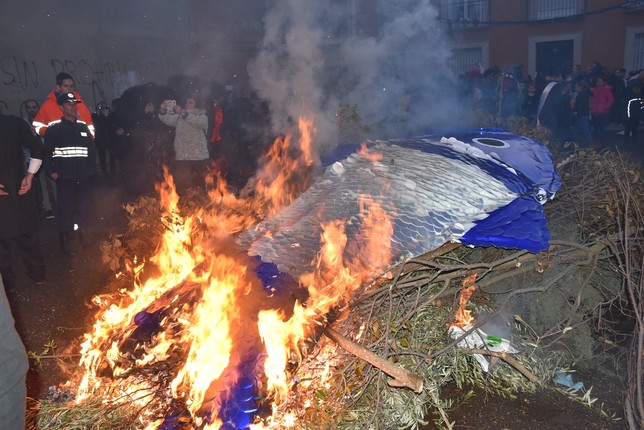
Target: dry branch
[
  {"x": 401, "y": 377},
  {"x": 508, "y": 359}
]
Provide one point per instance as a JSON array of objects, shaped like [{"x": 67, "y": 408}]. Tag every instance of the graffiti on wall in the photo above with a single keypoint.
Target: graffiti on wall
[
  {"x": 18, "y": 73},
  {"x": 23, "y": 78}
]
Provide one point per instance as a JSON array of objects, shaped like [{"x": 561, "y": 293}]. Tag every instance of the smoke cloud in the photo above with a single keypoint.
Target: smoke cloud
[{"x": 313, "y": 58}]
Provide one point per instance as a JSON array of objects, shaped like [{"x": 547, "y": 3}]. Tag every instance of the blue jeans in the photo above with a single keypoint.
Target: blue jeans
[{"x": 581, "y": 130}]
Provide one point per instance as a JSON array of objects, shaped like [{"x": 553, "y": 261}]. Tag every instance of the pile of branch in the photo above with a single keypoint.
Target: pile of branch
[{"x": 399, "y": 325}]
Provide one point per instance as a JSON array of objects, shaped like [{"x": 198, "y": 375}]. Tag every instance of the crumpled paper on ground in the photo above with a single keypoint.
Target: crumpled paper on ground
[{"x": 478, "y": 339}]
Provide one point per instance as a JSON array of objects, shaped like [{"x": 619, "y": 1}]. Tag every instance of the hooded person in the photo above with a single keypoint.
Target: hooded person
[
  {"x": 49, "y": 112},
  {"x": 601, "y": 101},
  {"x": 190, "y": 144}
]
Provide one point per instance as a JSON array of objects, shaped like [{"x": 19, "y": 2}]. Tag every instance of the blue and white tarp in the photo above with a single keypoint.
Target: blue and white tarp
[{"x": 480, "y": 187}]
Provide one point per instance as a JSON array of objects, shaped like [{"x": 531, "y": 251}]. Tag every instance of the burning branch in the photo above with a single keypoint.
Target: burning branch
[{"x": 401, "y": 377}]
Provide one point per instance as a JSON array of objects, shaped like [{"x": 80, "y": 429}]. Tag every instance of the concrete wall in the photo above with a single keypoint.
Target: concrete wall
[{"x": 107, "y": 46}]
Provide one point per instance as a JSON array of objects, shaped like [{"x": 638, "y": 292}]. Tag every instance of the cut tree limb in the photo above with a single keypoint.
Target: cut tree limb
[
  {"x": 400, "y": 377},
  {"x": 508, "y": 359}
]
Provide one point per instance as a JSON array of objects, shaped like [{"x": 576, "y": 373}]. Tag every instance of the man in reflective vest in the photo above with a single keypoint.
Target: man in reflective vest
[
  {"x": 49, "y": 112},
  {"x": 70, "y": 159}
]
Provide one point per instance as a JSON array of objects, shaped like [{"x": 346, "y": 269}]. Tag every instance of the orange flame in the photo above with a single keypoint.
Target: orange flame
[
  {"x": 463, "y": 316},
  {"x": 331, "y": 284},
  {"x": 371, "y": 156},
  {"x": 200, "y": 288},
  {"x": 209, "y": 331},
  {"x": 286, "y": 170}
]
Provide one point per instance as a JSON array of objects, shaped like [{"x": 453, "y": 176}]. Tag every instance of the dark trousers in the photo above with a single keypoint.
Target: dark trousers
[
  {"x": 599, "y": 123},
  {"x": 189, "y": 174},
  {"x": 105, "y": 154},
  {"x": 630, "y": 130},
  {"x": 74, "y": 205},
  {"x": 28, "y": 246},
  {"x": 581, "y": 130}
]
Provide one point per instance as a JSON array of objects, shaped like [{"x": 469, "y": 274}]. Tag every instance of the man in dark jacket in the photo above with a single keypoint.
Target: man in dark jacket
[
  {"x": 580, "y": 105},
  {"x": 105, "y": 128},
  {"x": 554, "y": 110},
  {"x": 18, "y": 215},
  {"x": 69, "y": 160},
  {"x": 634, "y": 107}
]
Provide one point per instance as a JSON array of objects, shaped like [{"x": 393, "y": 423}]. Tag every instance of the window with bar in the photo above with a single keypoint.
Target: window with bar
[
  {"x": 638, "y": 51},
  {"x": 465, "y": 13},
  {"x": 465, "y": 59},
  {"x": 553, "y": 9},
  {"x": 634, "y": 6}
]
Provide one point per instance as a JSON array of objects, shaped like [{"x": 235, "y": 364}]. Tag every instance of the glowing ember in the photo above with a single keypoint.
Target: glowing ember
[
  {"x": 184, "y": 343},
  {"x": 463, "y": 316}
]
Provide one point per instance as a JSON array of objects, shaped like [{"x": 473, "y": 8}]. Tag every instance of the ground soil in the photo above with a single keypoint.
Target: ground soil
[
  {"x": 60, "y": 311},
  {"x": 544, "y": 409}
]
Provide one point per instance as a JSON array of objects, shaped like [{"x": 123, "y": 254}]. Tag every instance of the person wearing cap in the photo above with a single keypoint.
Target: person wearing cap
[
  {"x": 70, "y": 161},
  {"x": 49, "y": 112},
  {"x": 18, "y": 214}
]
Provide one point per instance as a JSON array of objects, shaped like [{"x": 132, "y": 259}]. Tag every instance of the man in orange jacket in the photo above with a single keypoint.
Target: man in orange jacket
[{"x": 50, "y": 113}]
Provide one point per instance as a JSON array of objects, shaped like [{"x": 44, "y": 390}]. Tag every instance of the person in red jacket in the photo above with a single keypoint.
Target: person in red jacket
[
  {"x": 601, "y": 100},
  {"x": 49, "y": 113}
]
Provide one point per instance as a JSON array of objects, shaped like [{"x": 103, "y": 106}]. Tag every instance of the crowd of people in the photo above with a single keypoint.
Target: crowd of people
[
  {"x": 574, "y": 107},
  {"x": 125, "y": 145},
  {"x": 151, "y": 126}
]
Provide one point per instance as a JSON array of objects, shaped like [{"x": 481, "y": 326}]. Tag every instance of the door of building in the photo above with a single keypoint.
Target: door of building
[{"x": 555, "y": 56}]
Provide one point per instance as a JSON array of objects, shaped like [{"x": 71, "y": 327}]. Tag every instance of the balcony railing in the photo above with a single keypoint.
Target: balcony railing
[
  {"x": 634, "y": 6},
  {"x": 554, "y": 9},
  {"x": 465, "y": 13}
]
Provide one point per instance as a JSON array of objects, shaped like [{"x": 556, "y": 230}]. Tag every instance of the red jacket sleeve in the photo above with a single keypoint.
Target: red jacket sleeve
[{"x": 50, "y": 113}]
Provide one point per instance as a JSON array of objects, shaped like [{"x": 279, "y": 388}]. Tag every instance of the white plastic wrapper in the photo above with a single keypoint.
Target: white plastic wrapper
[{"x": 478, "y": 339}]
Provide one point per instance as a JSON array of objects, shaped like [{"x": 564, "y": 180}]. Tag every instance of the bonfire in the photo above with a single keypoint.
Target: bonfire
[{"x": 207, "y": 337}]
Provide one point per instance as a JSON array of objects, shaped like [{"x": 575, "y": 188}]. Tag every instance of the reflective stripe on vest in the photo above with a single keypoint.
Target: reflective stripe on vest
[
  {"x": 89, "y": 127},
  {"x": 628, "y": 105},
  {"x": 71, "y": 152}
]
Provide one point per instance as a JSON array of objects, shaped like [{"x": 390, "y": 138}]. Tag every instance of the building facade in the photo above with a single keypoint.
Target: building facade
[{"x": 545, "y": 36}]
